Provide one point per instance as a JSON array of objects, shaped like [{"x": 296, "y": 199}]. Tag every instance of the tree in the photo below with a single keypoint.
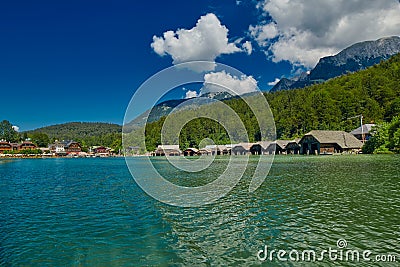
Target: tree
[
  {"x": 40, "y": 139},
  {"x": 386, "y": 138},
  {"x": 7, "y": 132}
]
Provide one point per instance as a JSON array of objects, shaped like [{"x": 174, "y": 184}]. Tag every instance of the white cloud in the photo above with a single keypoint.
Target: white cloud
[
  {"x": 225, "y": 82},
  {"x": 16, "y": 128},
  {"x": 262, "y": 33},
  {"x": 191, "y": 94},
  {"x": 307, "y": 30},
  {"x": 274, "y": 82},
  {"x": 247, "y": 47},
  {"x": 205, "y": 42}
]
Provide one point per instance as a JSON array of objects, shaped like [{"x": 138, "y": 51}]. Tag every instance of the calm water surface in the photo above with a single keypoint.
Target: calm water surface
[{"x": 90, "y": 212}]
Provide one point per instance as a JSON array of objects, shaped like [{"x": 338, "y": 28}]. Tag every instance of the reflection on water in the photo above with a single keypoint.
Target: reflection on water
[{"x": 90, "y": 212}]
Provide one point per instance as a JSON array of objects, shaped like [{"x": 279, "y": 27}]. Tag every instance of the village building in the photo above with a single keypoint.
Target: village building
[
  {"x": 101, "y": 151},
  {"x": 168, "y": 150},
  {"x": 62, "y": 148},
  {"x": 26, "y": 145},
  {"x": 72, "y": 147},
  {"x": 191, "y": 151},
  {"x": 364, "y": 133},
  {"x": 5, "y": 146},
  {"x": 329, "y": 142}
]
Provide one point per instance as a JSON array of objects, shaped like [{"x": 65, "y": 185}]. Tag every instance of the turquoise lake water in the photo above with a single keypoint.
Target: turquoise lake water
[{"x": 90, "y": 212}]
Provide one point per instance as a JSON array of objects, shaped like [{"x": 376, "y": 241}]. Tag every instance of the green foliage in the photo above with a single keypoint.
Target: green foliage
[
  {"x": 386, "y": 138},
  {"x": 40, "y": 139},
  {"x": 7, "y": 132},
  {"x": 86, "y": 133}
]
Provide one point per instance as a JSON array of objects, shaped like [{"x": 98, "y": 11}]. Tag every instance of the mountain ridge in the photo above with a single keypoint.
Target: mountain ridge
[{"x": 356, "y": 57}]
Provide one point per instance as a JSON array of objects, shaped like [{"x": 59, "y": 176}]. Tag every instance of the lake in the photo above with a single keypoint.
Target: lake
[{"x": 90, "y": 212}]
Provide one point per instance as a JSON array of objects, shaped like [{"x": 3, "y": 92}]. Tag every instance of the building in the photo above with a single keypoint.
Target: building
[
  {"x": 329, "y": 142},
  {"x": 241, "y": 148},
  {"x": 216, "y": 150},
  {"x": 261, "y": 148},
  {"x": 256, "y": 149},
  {"x": 204, "y": 151},
  {"x": 26, "y": 145},
  {"x": 5, "y": 146},
  {"x": 72, "y": 147},
  {"x": 62, "y": 148},
  {"x": 101, "y": 151},
  {"x": 168, "y": 150},
  {"x": 191, "y": 151},
  {"x": 293, "y": 147},
  {"x": 277, "y": 147},
  {"x": 364, "y": 133}
]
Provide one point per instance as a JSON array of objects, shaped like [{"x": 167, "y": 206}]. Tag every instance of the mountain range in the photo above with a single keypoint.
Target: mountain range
[
  {"x": 166, "y": 107},
  {"x": 353, "y": 58}
]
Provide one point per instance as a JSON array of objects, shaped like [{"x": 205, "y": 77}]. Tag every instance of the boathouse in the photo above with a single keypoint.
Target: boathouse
[
  {"x": 168, "y": 150},
  {"x": 329, "y": 142},
  {"x": 277, "y": 147},
  {"x": 241, "y": 148},
  {"x": 190, "y": 151},
  {"x": 215, "y": 150},
  {"x": 293, "y": 147},
  {"x": 260, "y": 148}
]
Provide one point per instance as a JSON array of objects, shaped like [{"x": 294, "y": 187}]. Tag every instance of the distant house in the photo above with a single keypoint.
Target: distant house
[
  {"x": 191, "y": 152},
  {"x": 65, "y": 147},
  {"x": 26, "y": 145},
  {"x": 72, "y": 146},
  {"x": 329, "y": 142},
  {"x": 293, "y": 147},
  {"x": 364, "y": 133},
  {"x": 168, "y": 150},
  {"x": 101, "y": 151},
  {"x": 5, "y": 146}
]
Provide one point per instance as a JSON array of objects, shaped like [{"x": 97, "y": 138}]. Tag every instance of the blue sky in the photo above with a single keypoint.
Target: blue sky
[{"x": 64, "y": 61}]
